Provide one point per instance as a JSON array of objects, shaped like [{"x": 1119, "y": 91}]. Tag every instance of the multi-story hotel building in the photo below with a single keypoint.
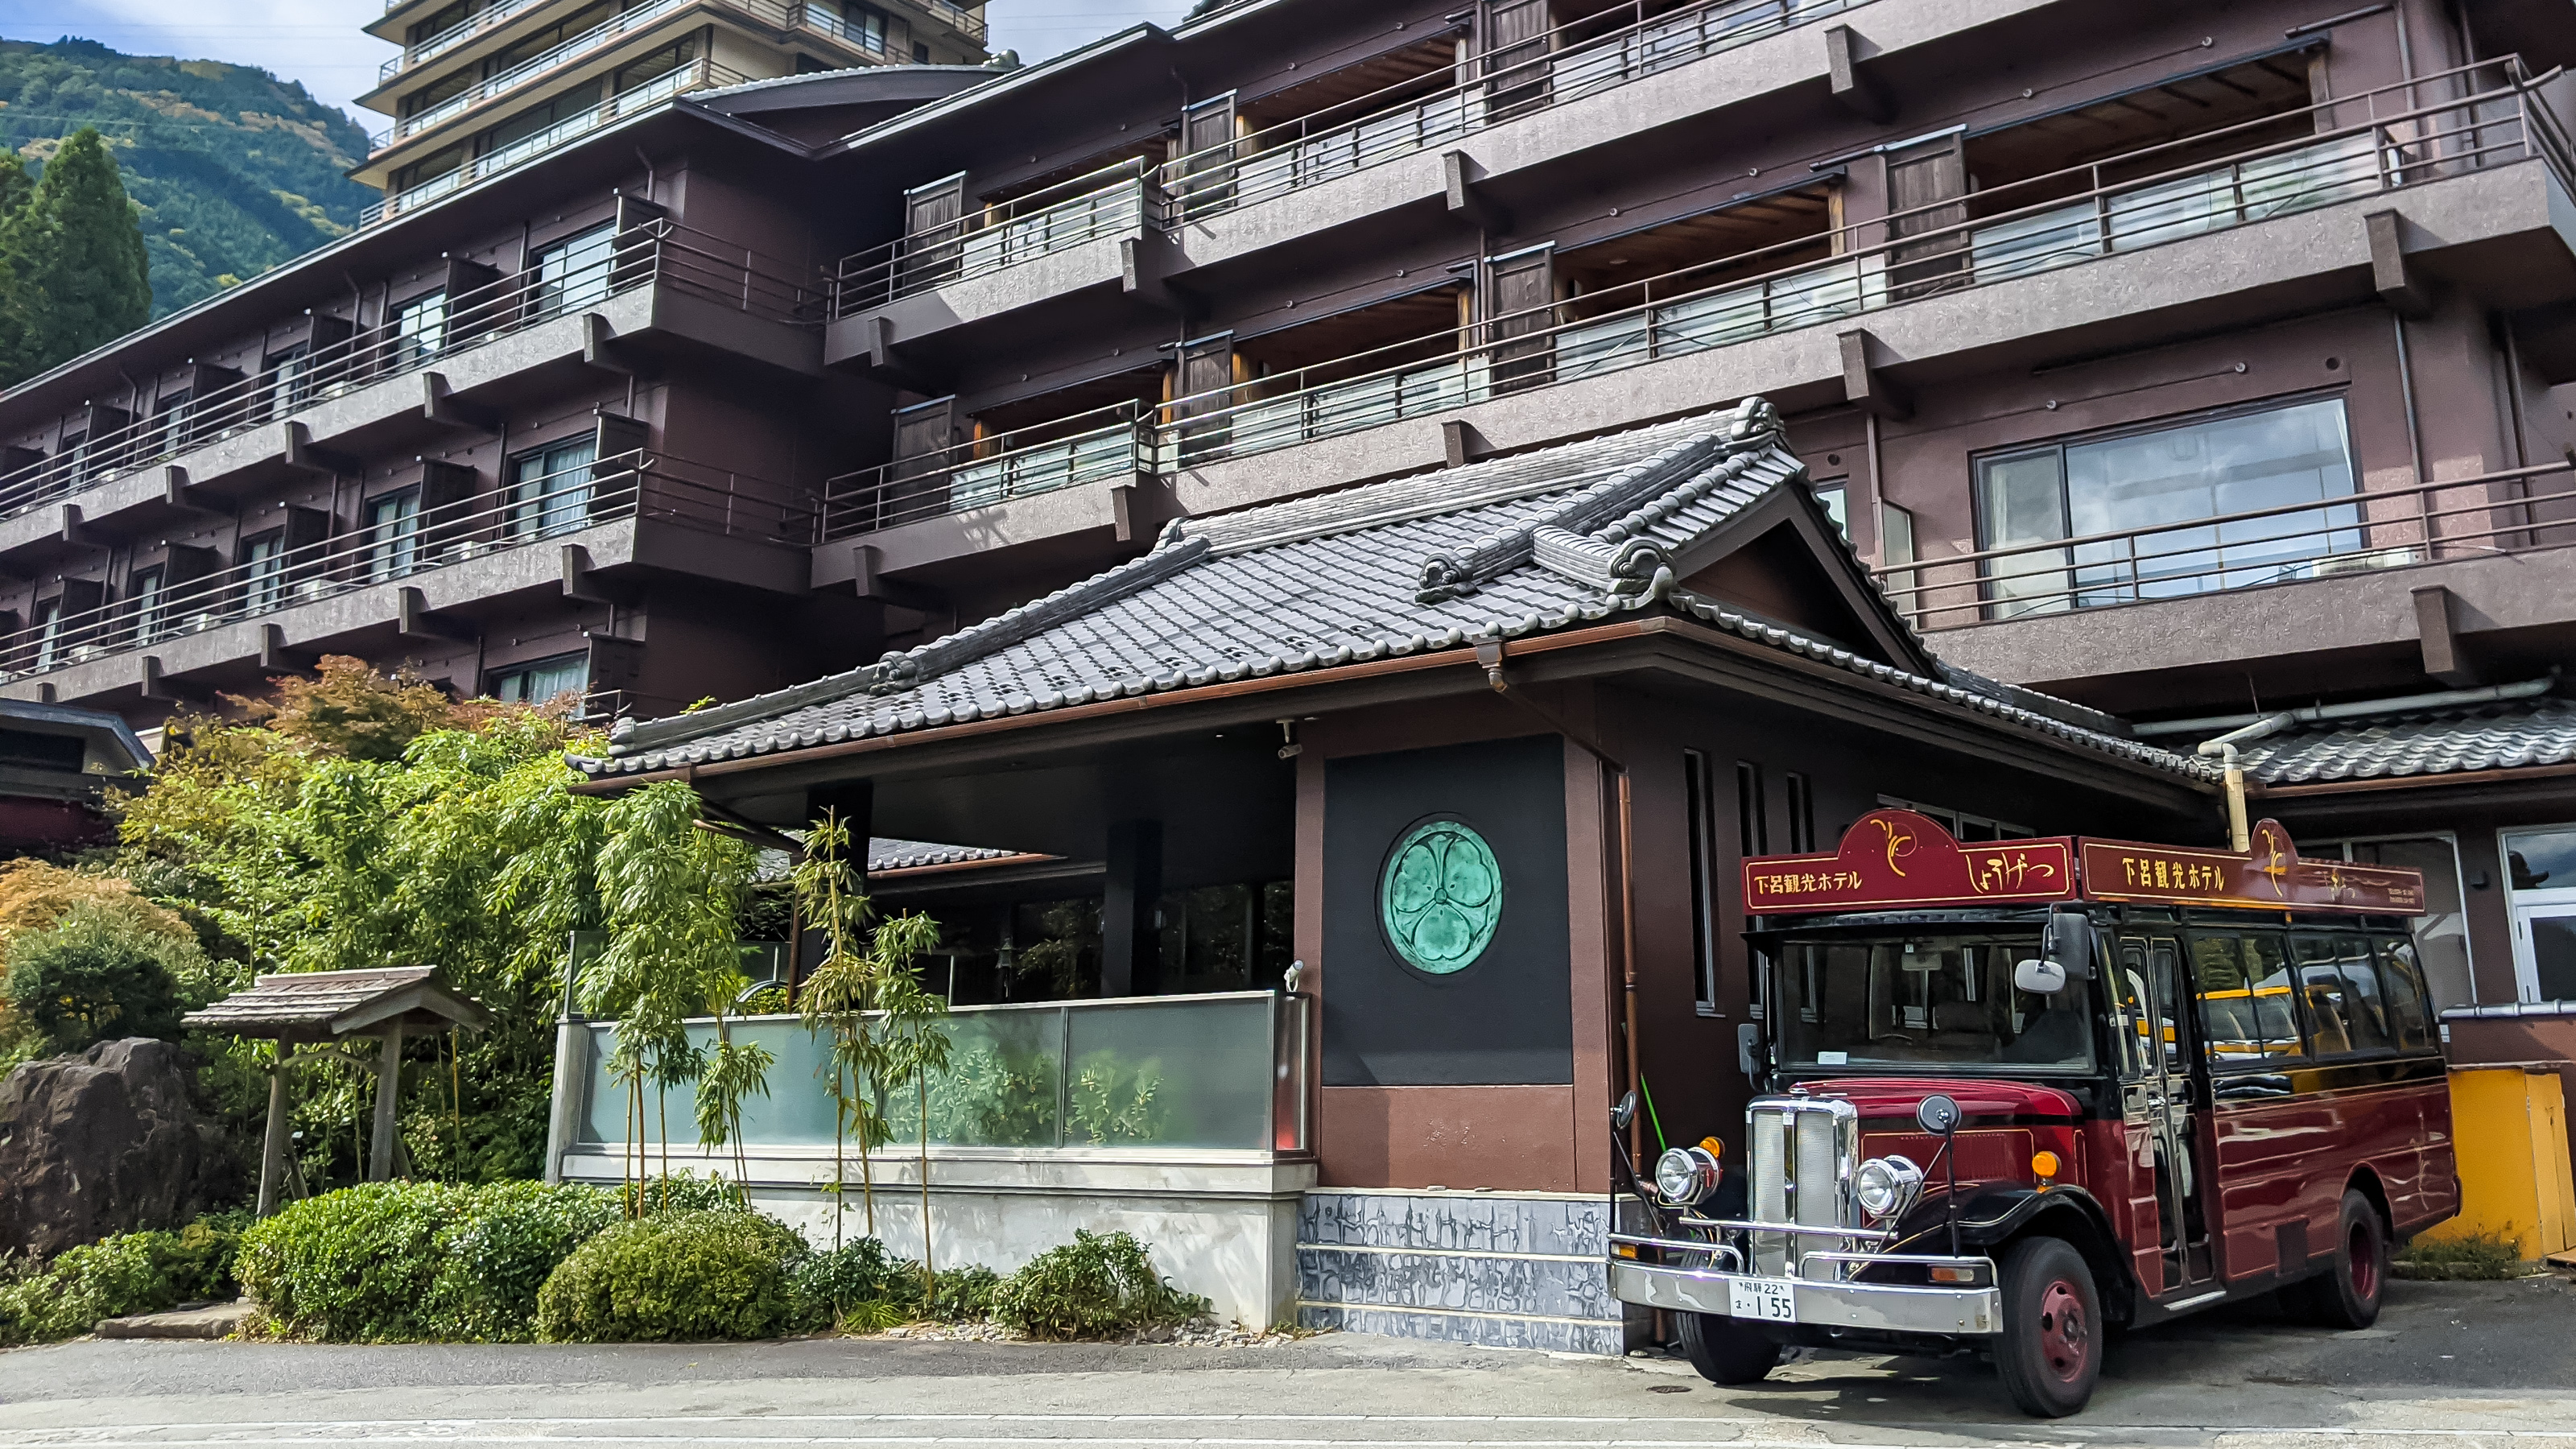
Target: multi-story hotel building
[{"x": 2205, "y": 364}]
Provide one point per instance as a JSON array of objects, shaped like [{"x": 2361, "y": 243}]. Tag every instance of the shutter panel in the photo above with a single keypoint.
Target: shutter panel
[
  {"x": 446, "y": 499},
  {"x": 931, "y": 232},
  {"x": 1208, "y": 151},
  {"x": 1519, "y": 290},
  {"x": 474, "y": 304},
  {"x": 1513, "y": 35},
  {"x": 80, "y": 596},
  {"x": 615, "y": 664},
  {"x": 1926, "y": 176},
  {"x": 917, "y": 480},
  {"x": 618, "y": 449},
  {"x": 639, "y": 229},
  {"x": 1204, "y": 366}
]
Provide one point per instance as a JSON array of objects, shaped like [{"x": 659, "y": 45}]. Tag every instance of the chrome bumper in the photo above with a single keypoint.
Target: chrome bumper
[{"x": 1890, "y": 1308}]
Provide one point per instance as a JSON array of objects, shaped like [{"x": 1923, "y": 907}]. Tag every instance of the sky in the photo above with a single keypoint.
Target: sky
[{"x": 318, "y": 41}]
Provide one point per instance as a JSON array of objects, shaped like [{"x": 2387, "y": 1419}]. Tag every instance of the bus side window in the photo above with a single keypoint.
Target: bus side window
[
  {"x": 2365, "y": 1003},
  {"x": 2324, "y": 994},
  {"x": 2276, "y": 1012},
  {"x": 2401, "y": 986},
  {"x": 2167, "y": 957},
  {"x": 2129, "y": 1023},
  {"x": 2246, "y": 1016}
]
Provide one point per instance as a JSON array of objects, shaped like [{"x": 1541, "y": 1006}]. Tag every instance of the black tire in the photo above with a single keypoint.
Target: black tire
[
  {"x": 2050, "y": 1350},
  {"x": 1727, "y": 1350},
  {"x": 2348, "y": 1295}
]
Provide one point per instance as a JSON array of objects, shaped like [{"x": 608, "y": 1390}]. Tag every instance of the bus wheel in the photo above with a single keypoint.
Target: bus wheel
[
  {"x": 1727, "y": 1350},
  {"x": 2050, "y": 1352},
  {"x": 2348, "y": 1295}
]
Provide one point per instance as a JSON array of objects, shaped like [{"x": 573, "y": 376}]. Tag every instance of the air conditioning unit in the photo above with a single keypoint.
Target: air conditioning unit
[{"x": 2361, "y": 563}]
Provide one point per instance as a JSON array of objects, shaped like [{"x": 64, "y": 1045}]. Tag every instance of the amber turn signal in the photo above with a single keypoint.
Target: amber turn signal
[
  {"x": 1715, "y": 1147},
  {"x": 2044, "y": 1164},
  {"x": 1954, "y": 1275}
]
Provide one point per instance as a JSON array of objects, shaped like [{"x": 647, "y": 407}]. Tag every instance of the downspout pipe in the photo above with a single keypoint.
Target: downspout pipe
[
  {"x": 2319, "y": 713},
  {"x": 1490, "y": 655},
  {"x": 2223, "y": 749}
]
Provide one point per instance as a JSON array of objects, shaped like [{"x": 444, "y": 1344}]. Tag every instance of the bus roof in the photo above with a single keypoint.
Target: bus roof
[{"x": 1896, "y": 858}]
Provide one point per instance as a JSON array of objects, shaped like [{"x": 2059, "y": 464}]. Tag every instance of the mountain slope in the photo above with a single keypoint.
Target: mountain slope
[{"x": 235, "y": 170}]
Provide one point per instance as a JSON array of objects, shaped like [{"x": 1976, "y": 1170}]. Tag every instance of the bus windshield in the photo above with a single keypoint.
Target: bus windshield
[{"x": 1944, "y": 1000}]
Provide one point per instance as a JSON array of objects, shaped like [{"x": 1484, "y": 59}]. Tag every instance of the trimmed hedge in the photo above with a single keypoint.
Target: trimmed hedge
[
  {"x": 1095, "y": 1286},
  {"x": 678, "y": 1275}
]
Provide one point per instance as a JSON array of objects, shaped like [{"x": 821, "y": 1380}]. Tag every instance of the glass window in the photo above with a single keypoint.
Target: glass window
[
  {"x": 2156, "y": 486},
  {"x": 290, "y": 384},
  {"x": 144, "y": 591},
  {"x": 572, "y": 273},
  {"x": 550, "y": 488},
  {"x": 2401, "y": 987},
  {"x": 264, "y": 571},
  {"x": 1835, "y": 496},
  {"x": 1961, "y": 824},
  {"x": 2540, "y": 866},
  {"x": 1698, "y": 796},
  {"x": 2339, "y": 987},
  {"x": 538, "y": 682},
  {"x": 420, "y": 329},
  {"x": 2542, "y": 860},
  {"x": 393, "y": 528},
  {"x": 49, "y": 632},
  {"x": 2441, "y": 933},
  {"x": 1945, "y": 999},
  {"x": 2246, "y": 1017}
]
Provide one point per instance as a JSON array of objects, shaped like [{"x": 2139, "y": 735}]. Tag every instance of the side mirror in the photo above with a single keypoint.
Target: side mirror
[
  {"x": 2045, "y": 977},
  {"x": 1624, "y": 1113},
  {"x": 1748, "y": 1049},
  {"x": 2068, "y": 944},
  {"x": 1937, "y": 1114}
]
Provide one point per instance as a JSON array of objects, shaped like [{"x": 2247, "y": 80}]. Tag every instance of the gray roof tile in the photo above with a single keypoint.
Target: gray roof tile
[
  {"x": 1515, "y": 546},
  {"x": 2531, "y": 732}
]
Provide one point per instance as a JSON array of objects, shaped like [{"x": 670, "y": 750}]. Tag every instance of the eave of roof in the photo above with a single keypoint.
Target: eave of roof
[{"x": 2419, "y": 746}]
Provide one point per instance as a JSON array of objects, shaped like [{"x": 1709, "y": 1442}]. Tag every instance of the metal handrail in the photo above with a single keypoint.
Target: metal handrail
[
  {"x": 699, "y": 74},
  {"x": 1523, "y": 349},
  {"x": 1211, "y": 180},
  {"x": 2420, "y": 535},
  {"x": 430, "y": 47},
  {"x": 637, "y": 484},
  {"x": 1063, "y": 453},
  {"x": 1051, "y": 219},
  {"x": 659, "y": 251}
]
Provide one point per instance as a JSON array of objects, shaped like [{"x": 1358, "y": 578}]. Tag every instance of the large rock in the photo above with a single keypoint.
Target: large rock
[{"x": 104, "y": 1142}]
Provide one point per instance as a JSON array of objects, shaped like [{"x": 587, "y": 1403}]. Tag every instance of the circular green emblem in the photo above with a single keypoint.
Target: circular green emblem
[{"x": 1441, "y": 897}]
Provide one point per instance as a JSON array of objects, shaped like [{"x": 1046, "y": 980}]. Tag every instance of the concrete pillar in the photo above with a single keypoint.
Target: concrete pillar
[
  {"x": 272, "y": 1151},
  {"x": 1130, "y": 947},
  {"x": 380, "y": 1150}
]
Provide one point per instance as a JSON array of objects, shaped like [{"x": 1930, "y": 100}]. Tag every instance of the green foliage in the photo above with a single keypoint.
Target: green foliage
[
  {"x": 964, "y": 1295},
  {"x": 79, "y": 275},
  {"x": 2472, "y": 1257},
  {"x": 990, "y": 1095},
  {"x": 400, "y": 1262},
  {"x": 1115, "y": 1100},
  {"x": 233, "y": 171},
  {"x": 855, "y": 1278},
  {"x": 685, "y": 1276},
  {"x": 1096, "y": 1285},
  {"x": 98, "y": 973},
  {"x": 128, "y": 1273}
]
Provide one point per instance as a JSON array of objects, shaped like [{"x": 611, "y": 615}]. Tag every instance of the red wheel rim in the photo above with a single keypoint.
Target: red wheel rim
[
  {"x": 2065, "y": 1337},
  {"x": 2363, "y": 1254}
]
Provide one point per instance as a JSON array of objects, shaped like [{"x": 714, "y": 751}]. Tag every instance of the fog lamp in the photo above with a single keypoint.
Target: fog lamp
[
  {"x": 1886, "y": 1186},
  {"x": 1687, "y": 1175},
  {"x": 2044, "y": 1165}
]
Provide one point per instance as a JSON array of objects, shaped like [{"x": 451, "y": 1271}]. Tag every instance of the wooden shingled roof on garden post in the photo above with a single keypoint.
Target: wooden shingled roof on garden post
[{"x": 320, "y": 1006}]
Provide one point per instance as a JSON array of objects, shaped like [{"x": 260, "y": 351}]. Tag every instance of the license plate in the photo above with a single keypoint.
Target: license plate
[{"x": 1771, "y": 1299}]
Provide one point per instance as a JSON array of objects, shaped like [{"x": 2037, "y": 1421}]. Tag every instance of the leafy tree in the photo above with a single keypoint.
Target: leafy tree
[
  {"x": 81, "y": 276},
  {"x": 98, "y": 974}
]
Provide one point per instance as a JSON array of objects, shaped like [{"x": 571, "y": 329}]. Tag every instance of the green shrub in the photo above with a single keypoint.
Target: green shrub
[
  {"x": 1096, "y": 1285},
  {"x": 964, "y": 1295},
  {"x": 402, "y": 1262},
  {"x": 129, "y": 1273},
  {"x": 98, "y": 973},
  {"x": 675, "y": 1276},
  {"x": 2478, "y": 1257},
  {"x": 828, "y": 1286}
]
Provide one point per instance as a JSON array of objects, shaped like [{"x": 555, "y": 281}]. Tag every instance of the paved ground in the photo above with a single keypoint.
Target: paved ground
[{"x": 2466, "y": 1365}]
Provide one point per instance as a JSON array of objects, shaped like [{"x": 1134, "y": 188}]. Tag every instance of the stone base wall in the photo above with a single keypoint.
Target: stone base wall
[{"x": 1506, "y": 1270}]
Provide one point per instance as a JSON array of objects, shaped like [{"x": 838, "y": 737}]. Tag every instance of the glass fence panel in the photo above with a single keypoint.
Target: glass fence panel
[
  {"x": 1170, "y": 1074},
  {"x": 1001, "y": 1086}
]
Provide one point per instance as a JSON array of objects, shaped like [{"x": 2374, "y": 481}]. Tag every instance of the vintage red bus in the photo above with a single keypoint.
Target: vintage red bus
[{"x": 2014, "y": 1093}]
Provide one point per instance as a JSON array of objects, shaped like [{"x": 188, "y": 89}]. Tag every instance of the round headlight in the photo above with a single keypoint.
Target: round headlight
[
  {"x": 1886, "y": 1186},
  {"x": 1685, "y": 1175}
]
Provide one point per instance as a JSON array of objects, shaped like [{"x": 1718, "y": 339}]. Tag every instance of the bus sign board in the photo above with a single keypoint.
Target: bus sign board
[{"x": 1897, "y": 858}]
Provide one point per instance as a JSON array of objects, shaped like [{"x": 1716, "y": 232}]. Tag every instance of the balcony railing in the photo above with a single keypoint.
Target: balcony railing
[
  {"x": 2348, "y": 533},
  {"x": 1218, "y": 1072},
  {"x": 966, "y": 22},
  {"x": 658, "y": 252},
  {"x": 272, "y": 578},
  {"x": 1527, "y": 77},
  {"x": 1107, "y": 445},
  {"x": 1778, "y": 288},
  {"x": 1103, "y": 203},
  {"x": 433, "y": 46}
]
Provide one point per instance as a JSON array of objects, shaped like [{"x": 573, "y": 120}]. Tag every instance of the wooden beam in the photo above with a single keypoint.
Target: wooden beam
[
  {"x": 380, "y": 1148},
  {"x": 272, "y": 1150}
]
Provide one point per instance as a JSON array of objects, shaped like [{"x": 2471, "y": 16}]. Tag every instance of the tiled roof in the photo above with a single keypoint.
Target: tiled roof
[
  {"x": 305, "y": 1004},
  {"x": 885, "y": 853},
  {"x": 2539, "y": 731},
  {"x": 1512, "y": 547}
]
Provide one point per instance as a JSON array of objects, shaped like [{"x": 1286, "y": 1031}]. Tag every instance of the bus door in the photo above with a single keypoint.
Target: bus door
[{"x": 2156, "y": 1101}]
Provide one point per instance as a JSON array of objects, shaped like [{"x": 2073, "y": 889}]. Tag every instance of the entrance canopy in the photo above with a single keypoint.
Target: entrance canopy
[{"x": 314, "y": 1006}]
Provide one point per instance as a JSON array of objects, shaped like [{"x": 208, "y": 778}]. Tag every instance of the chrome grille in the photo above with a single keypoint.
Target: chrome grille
[{"x": 1802, "y": 1152}]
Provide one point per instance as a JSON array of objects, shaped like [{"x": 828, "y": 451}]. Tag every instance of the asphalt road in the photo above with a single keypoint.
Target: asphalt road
[{"x": 2467, "y": 1365}]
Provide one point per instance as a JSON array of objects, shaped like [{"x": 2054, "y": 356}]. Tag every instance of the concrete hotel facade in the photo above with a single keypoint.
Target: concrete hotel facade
[{"x": 2200, "y": 366}]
